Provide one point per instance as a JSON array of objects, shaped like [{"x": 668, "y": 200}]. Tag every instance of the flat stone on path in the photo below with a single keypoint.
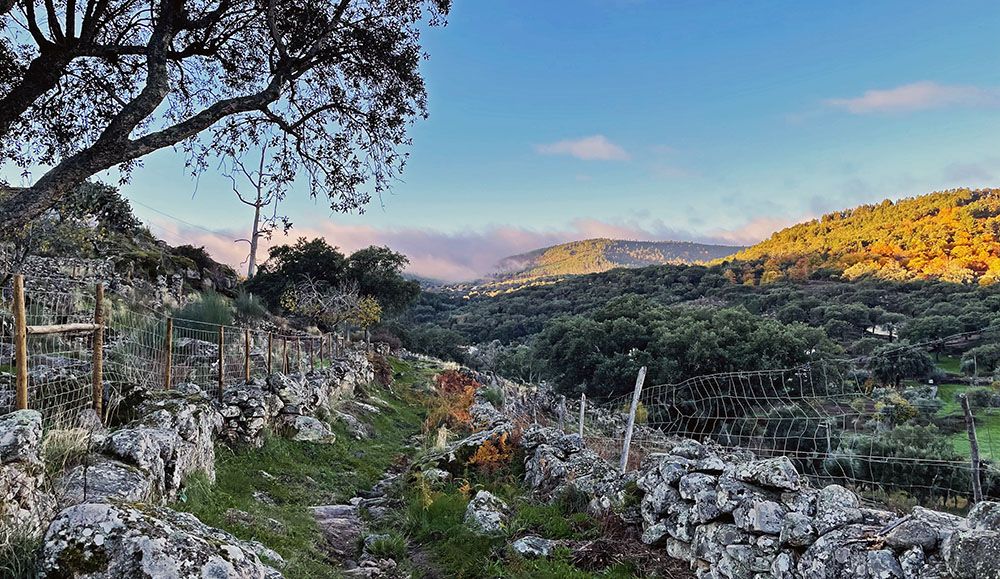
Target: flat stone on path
[{"x": 341, "y": 526}]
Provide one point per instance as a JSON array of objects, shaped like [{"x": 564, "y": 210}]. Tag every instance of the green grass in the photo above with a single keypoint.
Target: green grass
[
  {"x": 949, "y": 363},
  {"x": 987, "y": 423},
  {"x": 298, "y": 475}
]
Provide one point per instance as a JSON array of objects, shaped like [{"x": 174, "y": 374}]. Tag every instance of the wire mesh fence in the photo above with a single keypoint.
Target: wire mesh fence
[
  {"x": 836, "y": 428},
  {"x": 140, "y": 350}
]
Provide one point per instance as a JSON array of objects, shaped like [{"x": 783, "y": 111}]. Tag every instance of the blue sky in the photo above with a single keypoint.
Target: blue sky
[{"x": 690, "y": 119}]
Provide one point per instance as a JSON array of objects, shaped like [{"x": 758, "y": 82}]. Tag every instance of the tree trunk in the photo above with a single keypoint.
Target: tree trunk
[{"x": 254, "y": 239}]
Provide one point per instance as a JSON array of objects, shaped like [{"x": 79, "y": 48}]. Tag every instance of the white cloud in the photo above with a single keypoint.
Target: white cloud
[
  {"x": 593, "y": 148},
  {"x": 916, "y": 97},
  {"x": 468, "y": 254}
]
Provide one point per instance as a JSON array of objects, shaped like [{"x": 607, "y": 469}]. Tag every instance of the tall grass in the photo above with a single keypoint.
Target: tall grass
[{"x": 249, "y": 306}]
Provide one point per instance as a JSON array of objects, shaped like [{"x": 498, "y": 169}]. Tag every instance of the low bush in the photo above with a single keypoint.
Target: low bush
[
  {"x": 212, "y": 308},
  {"x": 249, "y": 306}
]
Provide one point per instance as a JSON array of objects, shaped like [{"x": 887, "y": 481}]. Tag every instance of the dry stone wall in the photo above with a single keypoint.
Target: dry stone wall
[
  {"x": 735, "y": 516},
  {"x": 105, "y": 517}
]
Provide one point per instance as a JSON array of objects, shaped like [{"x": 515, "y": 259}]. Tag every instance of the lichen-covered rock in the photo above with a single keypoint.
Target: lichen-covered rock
[
  {"x": 307, "y": 429},
  {"x": 101, "y": 479},
  {"x": 25, "y": 503},
  {"x": 711, "y": 539},
  {"x": 797, "y": 530},
  {"x": 760, "y": 517},
  {"x": 972, "y": 554},
  {"x": 848, "y": 552},
  {"x": 985, "y": 515},
  {"x": 657, "y": 502},
  {"x": 109, "y": 541},
  {"x": 173, "y": 437},
  {"x": 533, "y": 547},
  {"x": 778, "y": 473},
  {"x": 486, "y": 514},
  {"x": 836, "y": 507}
]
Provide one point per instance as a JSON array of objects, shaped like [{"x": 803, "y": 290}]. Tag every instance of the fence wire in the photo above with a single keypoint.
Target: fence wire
[
  {"x": 135, "y": 351},
  {"x": 835, "y": 427}
]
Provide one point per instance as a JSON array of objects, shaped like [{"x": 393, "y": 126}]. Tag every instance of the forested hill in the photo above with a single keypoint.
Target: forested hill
[
  {"x": 949, "y": 236},
  {"x": 595, "y": 256}
]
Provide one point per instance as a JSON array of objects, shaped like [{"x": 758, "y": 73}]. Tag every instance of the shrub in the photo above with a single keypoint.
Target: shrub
[
  {"x": 212, "y": 308},
  {"x": 494, "y": 396},
  {"x": 450, "y": 408},
  {"x": 249, "y": 306},
  {"x": 983, "y": 397},
  {"x": 18, "y": 552},
  {"x": 383, "y": 370},
  {"x": 491, "y": 456},
  {"x": 895, "y": 408}
]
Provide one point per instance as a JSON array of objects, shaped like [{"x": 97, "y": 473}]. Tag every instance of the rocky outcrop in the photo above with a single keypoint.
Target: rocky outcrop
[
  {"x": 557, "y": 463},
  {"x": 104, "y": 540},
  {"x": 148, "y": 459},
  {"x": 25, "y": 504}
]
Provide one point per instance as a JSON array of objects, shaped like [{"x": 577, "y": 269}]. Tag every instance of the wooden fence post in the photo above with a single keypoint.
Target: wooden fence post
[
  {"x": 246, "y": 354},
  {"x": 312, "y": 346},
  {"x": 583, "y": 411},
  {"x": 222, "y": 358},
  {"x": 322, "y": 344},
  {"x": 562, "y": 413},
  {"x": 98, "y": 361},
  {"x": 631, "y": 418},
  {"x": 970, "y": 426},
  {"x": 298, "y": 354},
  {"x": 20, "y": 344},
  {"x": 168, "y": 346},
  {"x": 284, "y": 348},
  {"x": 270, "y": 338}
]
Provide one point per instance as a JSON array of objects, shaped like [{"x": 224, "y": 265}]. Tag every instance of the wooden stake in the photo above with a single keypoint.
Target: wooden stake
[
  {"x": 312, "y": 366},
  {"x": 631, "y": 418},
  {"x": 222, "y": 358},
  {"x": 322, "y": 343},
  {"x": 270, "y": 338},
  {"x": 246, "y": 355},
  {"x": 562, "y": 413},
  {"x": 583, "y": 411},
  {"x": 970, "y": 426},
  {"x": 98, "y": 362},
  {"x": 284, "y": 347},
  {"x": 20, "y": 344},
  {"x": 168, "y": 347},
  {"x": 298, "y": 354}
]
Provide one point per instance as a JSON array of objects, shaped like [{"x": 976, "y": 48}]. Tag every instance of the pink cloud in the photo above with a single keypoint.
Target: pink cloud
[
  {"x": 593, "y": 148},
  {"x": 915, "y": 97},
  {"x": 462, "y": 255}
]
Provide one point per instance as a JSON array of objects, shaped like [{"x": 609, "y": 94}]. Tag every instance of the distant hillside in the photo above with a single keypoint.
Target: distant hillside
[
  {"x": 543, "y": 266},
  {"x": 950, "y": 236}
]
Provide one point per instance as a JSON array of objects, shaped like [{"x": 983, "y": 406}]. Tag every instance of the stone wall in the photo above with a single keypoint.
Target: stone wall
[
  {"x": 113, "y": 521},
  {"x": 735, "y": 516}
]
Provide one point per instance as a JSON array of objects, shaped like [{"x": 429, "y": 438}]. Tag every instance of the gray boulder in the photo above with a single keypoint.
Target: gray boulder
[
  {"x": 836, "y": 507},
  {"x": 101, "y": 479},
  {"x": 306, "y": 429},
  {"x": 533, "y": 547},
  {"x": 972, "y": 554},
  {"x": 25, "y": 503},
  {"x": 107, "y": 541},
  {"x": 777, "y": 473},
  {"x": 486, "y": 514}
]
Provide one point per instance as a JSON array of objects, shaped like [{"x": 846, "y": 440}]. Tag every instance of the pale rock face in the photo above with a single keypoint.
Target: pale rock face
[
  {"x": 307, "y": 429},
  {"x": 836, "y": 507},
  {"x": 106, "y": 541},
  {"x": 533, "y": 547},
  {"x": 25, "y": 503},
  {"x": 486, "y": 514},
  {"x": 777, "y": 473}
]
